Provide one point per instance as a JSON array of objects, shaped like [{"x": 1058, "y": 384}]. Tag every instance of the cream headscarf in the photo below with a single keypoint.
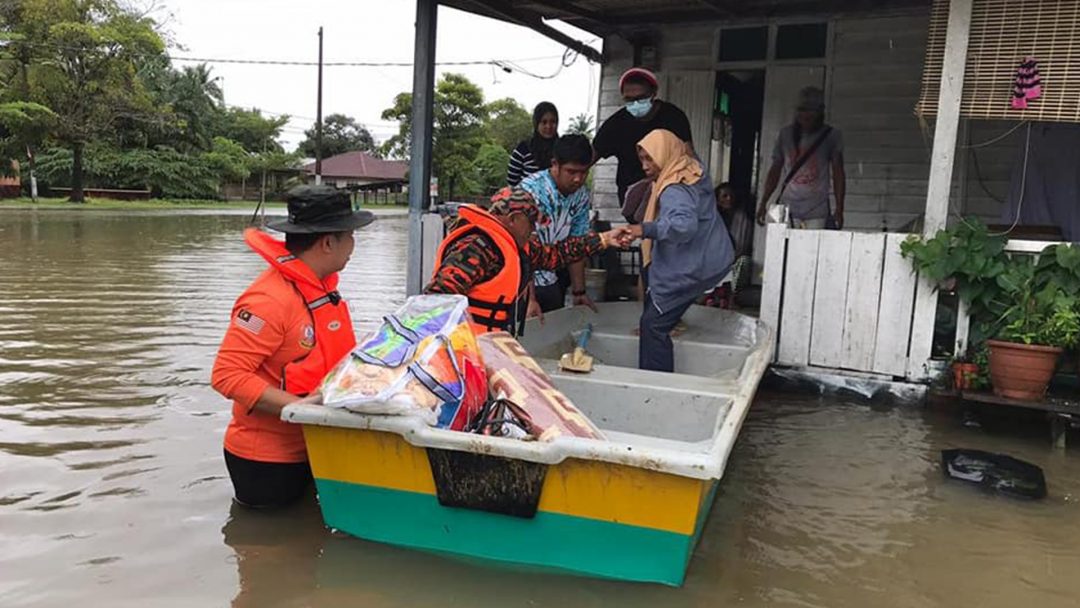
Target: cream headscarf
[{"x": 677, "y": 166}]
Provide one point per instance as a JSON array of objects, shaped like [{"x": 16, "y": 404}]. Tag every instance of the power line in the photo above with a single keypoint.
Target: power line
[{"x": 568, "y": 57}]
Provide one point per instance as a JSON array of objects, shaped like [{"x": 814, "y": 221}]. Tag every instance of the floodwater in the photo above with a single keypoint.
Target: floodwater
[{"x": 113, "y": 491}]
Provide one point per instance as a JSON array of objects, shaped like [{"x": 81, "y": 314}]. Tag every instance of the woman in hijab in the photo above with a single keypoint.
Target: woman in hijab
[
  {"x": 686, "y": 250},
  {"x": 534, "y": 154}
]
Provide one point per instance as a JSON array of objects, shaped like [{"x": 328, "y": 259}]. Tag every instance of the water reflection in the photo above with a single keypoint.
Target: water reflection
[{"x": 113, "y": 491}]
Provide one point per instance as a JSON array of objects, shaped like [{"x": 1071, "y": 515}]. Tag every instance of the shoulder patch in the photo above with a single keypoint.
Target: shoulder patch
[{"x": 249, "y": 321}]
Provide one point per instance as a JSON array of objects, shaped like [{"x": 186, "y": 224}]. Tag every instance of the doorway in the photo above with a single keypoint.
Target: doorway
[{"x": 740, "y": 97}]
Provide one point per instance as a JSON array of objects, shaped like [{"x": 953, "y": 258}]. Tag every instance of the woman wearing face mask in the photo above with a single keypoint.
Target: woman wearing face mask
[
  {"x": 534, "y": 154},
  {"x": 641, "y": 114}
]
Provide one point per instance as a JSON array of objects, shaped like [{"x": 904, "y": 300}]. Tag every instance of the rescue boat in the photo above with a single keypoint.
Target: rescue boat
[{"x": 629, "y": 507}]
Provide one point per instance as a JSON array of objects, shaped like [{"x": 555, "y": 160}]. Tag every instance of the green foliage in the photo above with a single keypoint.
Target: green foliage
[
  {"x": 1012, "y": 297},
  {"x": 340, "y": 134},
  {"x": 23, "y": 126},
  {"x": 582, "y": 124},
  {"x": 251, "y": 129},
  {"x": 165, "y": 171},
  {"x": 79, "y": 58},
  {"x": 459, "y": 132},
  {"x": 507, "y": 123},
  {"x": 490, "y": 166}
]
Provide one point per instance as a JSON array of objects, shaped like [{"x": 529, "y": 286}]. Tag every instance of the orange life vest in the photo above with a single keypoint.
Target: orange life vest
[
  {"x": 499, "y": 303},
  {"x": 334, "y": 336},
  {"x": 266, "y": 438}
]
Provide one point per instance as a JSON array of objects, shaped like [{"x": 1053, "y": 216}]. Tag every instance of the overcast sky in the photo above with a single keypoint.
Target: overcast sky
[{"x": 365, "y": 30}]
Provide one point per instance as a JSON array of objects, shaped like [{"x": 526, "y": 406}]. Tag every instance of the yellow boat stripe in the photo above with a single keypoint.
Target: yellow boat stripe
[
  {"x": 371, "y": 458},
  {"x": 580, "y": 488}
]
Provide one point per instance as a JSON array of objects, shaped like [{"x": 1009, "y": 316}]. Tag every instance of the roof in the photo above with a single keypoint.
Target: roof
[
  {"x": 361, "y": 165},
  {"x": 615, "y": 16}
]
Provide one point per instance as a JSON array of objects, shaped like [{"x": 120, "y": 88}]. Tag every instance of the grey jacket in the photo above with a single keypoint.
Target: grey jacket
[{"x": 692, "y": 250}]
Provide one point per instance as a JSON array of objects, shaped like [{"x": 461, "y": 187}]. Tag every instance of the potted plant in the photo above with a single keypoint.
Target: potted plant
[
  {"x": 1028, "y": 304},
  {"x": 1040, "y": 320},
  {"x": 965, "y": 372}
]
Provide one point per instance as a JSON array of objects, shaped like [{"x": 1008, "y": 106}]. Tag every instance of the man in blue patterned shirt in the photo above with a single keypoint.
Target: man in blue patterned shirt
[{"x": 562, "y": 198}]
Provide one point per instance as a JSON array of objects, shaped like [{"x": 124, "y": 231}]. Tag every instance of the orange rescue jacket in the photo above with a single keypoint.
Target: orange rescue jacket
[
  {"x": 288, "y": 330},
  {"x": 497, "y": 304}
]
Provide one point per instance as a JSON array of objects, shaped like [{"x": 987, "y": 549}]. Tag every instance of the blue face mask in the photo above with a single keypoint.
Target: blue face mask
[{"x": 639, "y": 107}]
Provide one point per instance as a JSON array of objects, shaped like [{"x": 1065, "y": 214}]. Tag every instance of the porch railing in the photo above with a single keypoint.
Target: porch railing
[{"x": 845, "y": 300}]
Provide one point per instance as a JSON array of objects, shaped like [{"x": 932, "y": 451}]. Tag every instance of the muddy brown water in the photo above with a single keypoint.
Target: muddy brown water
[{"x": 113, "y": 491}]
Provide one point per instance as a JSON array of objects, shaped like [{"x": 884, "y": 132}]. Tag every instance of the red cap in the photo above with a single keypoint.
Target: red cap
[{"x": 641, "y": 73}]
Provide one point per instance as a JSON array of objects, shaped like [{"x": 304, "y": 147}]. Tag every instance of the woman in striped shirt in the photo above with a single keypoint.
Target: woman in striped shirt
[{"x": 534, "y": 154}]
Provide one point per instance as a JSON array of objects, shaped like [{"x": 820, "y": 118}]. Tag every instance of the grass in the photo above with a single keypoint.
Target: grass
[{"x": 110, "y": 204}]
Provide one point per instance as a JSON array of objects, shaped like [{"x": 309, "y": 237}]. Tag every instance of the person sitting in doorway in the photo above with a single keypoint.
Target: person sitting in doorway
[
  {"x": 535, "y": 154},
  {"x": 564, "y": 207},
  {"x": 489, "y": 255},
  {"x": 287, "y": 331},
  {"x": 807, "y": 153},
  {"x": 642, "y": 113},
  {"x": 740, "y": 230},
  {"x": 687, "y": 248}
]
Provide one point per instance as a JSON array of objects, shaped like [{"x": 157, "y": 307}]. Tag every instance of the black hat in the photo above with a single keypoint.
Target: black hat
[{"x": 318, "y": 209}]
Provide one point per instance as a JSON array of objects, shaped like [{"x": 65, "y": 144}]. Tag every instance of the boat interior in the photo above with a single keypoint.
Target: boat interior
[{"x": 681, "y": 410}]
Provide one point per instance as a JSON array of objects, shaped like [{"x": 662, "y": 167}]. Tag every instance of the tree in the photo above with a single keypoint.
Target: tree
[
  {"x": 86, "y": 54},
  {"x": 340, "y": 134},
  {"x": 581, "y": 125},
  {"x": 459, "y": 130},
  {"x": 490, "y": 167},
  {"x": 195, "y": 98},
  {"x": 508, "y": 122},
  {"x": 251, "y": 129},
  {"x": 23, "y": 126}
]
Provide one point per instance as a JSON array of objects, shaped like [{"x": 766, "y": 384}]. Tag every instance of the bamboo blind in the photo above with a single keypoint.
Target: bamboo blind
[{"x": 1003, "y": 33}]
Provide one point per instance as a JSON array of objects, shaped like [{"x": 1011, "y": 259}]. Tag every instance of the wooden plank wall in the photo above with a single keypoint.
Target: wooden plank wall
[
  {"x": 873, "y": 86},
  {"x": 842, "y": 300}
]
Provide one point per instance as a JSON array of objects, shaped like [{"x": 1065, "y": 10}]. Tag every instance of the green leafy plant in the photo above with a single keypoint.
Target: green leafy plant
[
  {"x": 1019, "y": 298},
  {"x": 966, "y": 253}
]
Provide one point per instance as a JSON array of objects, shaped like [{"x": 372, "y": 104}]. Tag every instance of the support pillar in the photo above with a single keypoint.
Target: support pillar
[
  {"x": 423, "y": 96},
  {"x": 941, "y": 173}
]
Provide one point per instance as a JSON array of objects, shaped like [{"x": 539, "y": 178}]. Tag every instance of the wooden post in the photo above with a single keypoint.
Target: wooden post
[
  {"x": 941, "y": 172},
  {"x": 423, "y": 98}
]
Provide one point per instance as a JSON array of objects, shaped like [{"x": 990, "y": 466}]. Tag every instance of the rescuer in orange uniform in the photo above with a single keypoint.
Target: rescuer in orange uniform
[
  {"x": 489, "y": 256},
  {"x": 288, "y": 329}
]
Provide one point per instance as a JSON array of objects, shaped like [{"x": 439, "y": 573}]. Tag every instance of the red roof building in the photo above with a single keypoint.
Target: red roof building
[{"x": 359, "y": 169}]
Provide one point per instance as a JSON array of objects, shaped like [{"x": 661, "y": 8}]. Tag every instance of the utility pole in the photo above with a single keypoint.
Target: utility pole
[{"x": 318, "y": 119}]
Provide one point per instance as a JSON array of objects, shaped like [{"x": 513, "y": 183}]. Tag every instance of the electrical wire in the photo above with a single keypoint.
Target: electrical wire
[
  {"x": 512, "y": 63},
  {"x": 1023, "y": 185},
  {"x": 998, "y": 138}
]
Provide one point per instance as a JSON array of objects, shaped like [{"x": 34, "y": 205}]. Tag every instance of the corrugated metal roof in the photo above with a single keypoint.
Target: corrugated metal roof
[{"x": 609, "y": 16}]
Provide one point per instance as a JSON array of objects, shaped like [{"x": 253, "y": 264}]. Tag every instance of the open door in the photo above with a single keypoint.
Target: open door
[{"x": 782, "y": 86}]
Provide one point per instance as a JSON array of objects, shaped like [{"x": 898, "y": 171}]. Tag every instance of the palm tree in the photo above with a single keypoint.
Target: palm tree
[
  {"x": 195, "y": 96},
  {"x": 581, "y": 125}
]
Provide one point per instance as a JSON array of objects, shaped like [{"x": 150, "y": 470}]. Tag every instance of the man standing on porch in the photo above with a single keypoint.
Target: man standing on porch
[
  {"x": 642, "y": 114},
  {"x": 807, "y": 153}
]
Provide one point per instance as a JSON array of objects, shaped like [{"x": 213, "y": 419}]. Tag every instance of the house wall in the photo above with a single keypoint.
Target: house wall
[{"x": 873, "y": 80}]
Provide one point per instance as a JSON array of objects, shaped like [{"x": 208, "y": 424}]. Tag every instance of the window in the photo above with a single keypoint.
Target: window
[
  {"x": 802, "y": 41},
  {"x": 744, "y": 44}
]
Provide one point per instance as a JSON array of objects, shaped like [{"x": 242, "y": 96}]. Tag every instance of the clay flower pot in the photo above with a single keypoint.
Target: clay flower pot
[
  {"x": 1021, "y": 371},
  {"x": 963, "y": 374}
]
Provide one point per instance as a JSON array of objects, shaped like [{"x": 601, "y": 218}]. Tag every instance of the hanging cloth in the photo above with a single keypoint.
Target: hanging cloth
[{"x": 1027, "y": 85}]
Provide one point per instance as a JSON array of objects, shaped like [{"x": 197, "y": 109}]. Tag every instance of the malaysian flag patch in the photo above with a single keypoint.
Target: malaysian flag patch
[{"x": 248, "y": 321}]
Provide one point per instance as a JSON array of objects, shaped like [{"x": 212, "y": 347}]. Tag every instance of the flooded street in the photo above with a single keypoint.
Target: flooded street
[{"x": 113, "y": 491}]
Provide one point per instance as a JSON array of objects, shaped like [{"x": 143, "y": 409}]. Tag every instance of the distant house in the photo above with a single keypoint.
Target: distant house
[
  {"x": 11, "y": 185},
  {"x": 360, "y": 171}
]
